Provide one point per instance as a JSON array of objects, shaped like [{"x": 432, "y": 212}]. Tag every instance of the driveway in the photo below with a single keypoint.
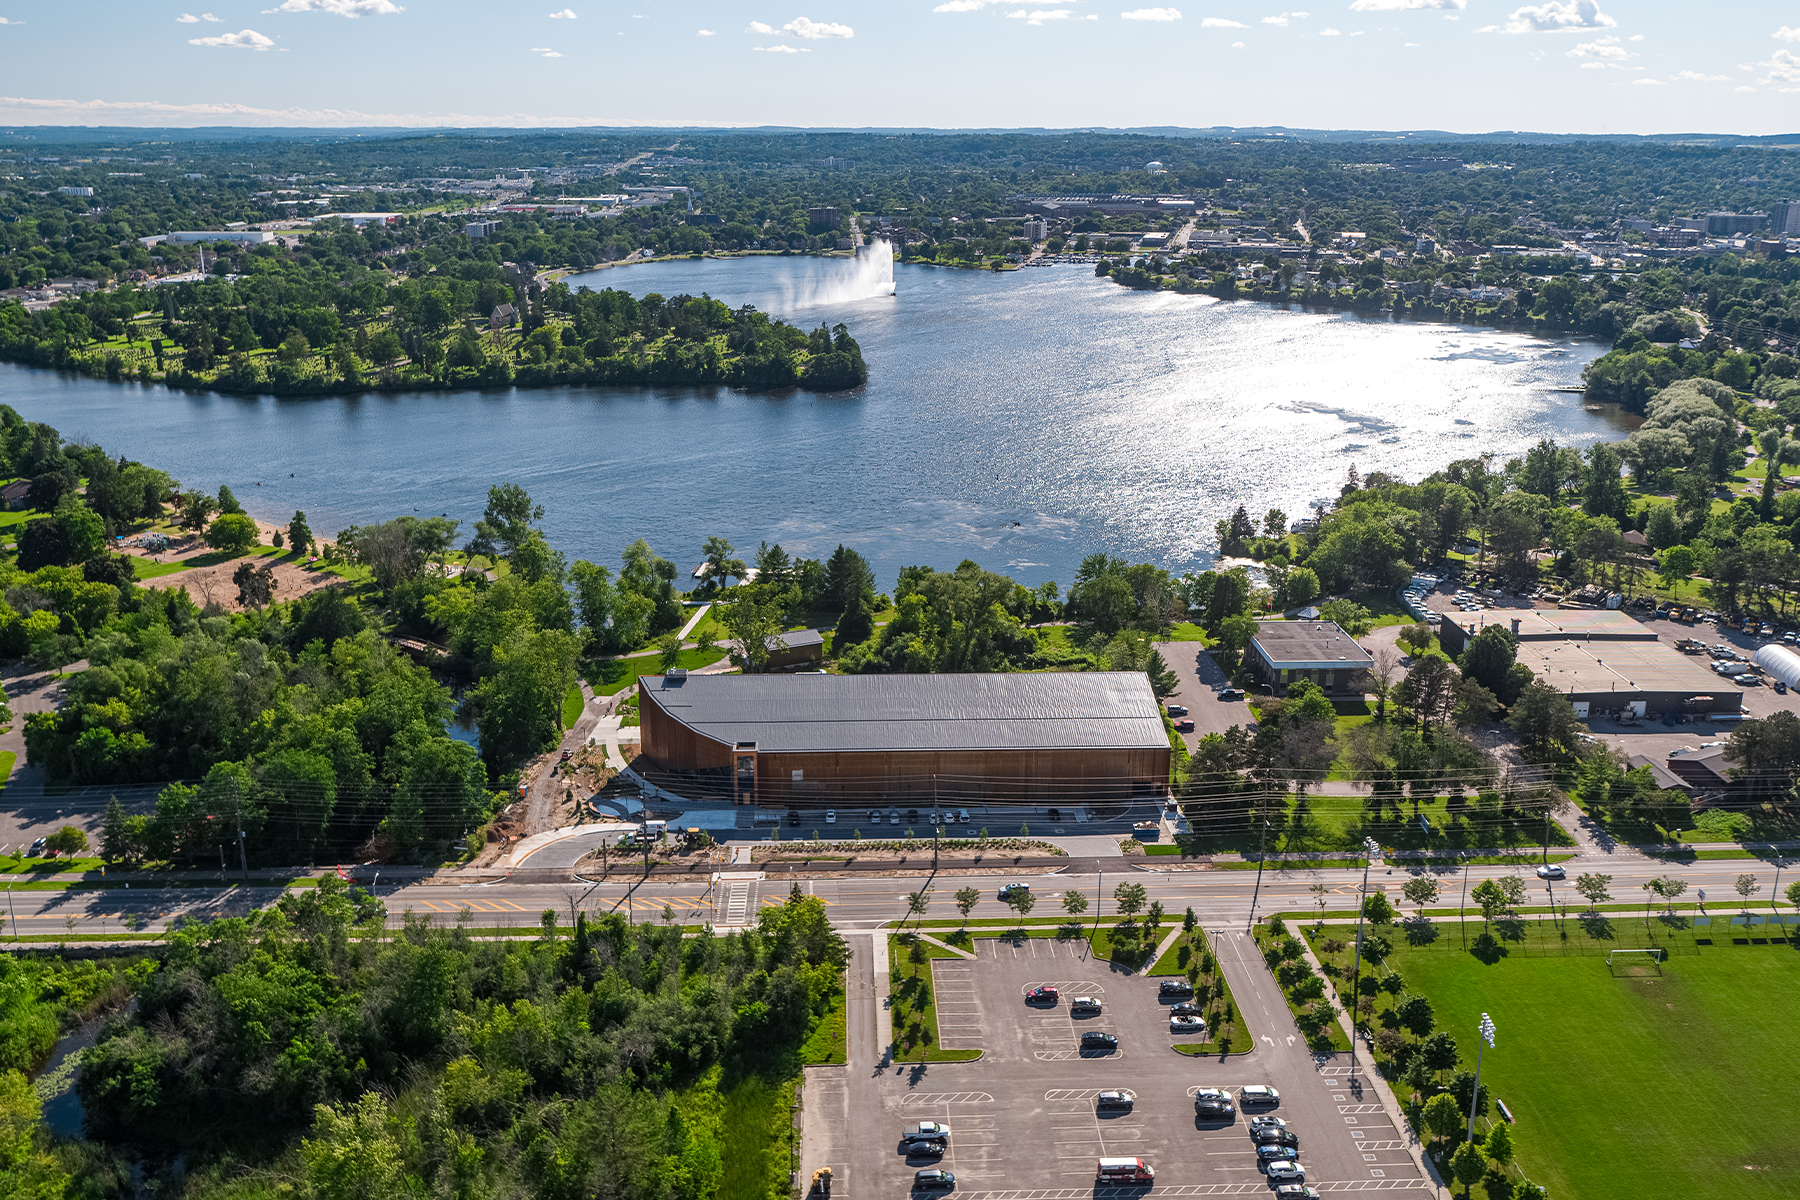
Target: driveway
[{"x": 1197, "y": 676}]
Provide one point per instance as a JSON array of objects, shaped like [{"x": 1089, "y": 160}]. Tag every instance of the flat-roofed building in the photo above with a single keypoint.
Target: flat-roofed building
[
  {"x": 1029, "y": 738},
  {"x": 1286, "y": 652},
  {"x": 1603, "y": 660}
]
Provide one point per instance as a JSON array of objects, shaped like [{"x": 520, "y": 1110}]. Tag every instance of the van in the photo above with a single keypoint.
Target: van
[{"x": 1125, "y": 1170}]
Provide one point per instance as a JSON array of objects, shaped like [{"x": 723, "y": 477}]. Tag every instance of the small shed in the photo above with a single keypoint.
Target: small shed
[
  {"x": 504, "y": 316},
  {"x": 13, "y": 495}
]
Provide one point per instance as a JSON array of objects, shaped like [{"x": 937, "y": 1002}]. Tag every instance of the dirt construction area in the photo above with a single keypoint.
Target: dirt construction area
[{"x": 1023, "y": 1118}]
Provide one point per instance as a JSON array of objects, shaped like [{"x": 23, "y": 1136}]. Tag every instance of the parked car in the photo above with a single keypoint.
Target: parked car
[
  {"x": 1267, "y": 1121},
  {"x": 1174, "y": 987},
  {"x": 1287, "y": 1170},
  {"x": 1178, "y": 710},
  {"x": 1186, "y": 1025},
  {"x": 831, "y": 816},
  {"x": 912, "y": 814},
  {"x": 1083, "y": 1005},
  {"x": 37, "y": 849},
  {"x": 793, "y": 816},
  {"x": 1270, "y": 1135},
  {"x": 874, "y": 817},
  {"x": 1257, "y": 1093},
  {"x": 1055, "y": 814},
  {"x": 1119, "y": 1100},
  {"x": 1231, "y": 693},
  {"x": 1185, "y": 725},
  {"x": 1213, "y": 1102},
  {"x": 1296, "y": 1191},
  {"x": 1187, "y": 1008},
  {"x": 1780, "y": 688},
  {"x": 933, "y": 1179},
  {"x": 931, "y": 1148},
  {"x": 1041, "y": 995},
  {"x": 962, "y": 816},
  {"x": 1268, "y": 1152},
  {"x": 1093, "y": 1039},
  {"x": 1552, "y": 871},
  {"x": 927, "y": 1131}
]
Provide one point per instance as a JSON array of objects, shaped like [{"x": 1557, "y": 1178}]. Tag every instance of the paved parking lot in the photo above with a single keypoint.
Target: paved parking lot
[
  {"x": 1197, "y": 675},
  {"x": 1022, "y": 1118}
]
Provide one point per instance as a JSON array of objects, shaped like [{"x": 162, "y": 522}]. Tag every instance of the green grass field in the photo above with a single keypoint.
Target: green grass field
[
  {"x": 1342, "y": 822},
  {"x": 616, "y": 674},
  {"x": 1678, "y": 1085},
  {"x": 571, "y": 706}
]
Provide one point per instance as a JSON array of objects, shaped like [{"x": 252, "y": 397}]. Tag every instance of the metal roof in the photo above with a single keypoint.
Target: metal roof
[{"x": 1050, "y": 711}]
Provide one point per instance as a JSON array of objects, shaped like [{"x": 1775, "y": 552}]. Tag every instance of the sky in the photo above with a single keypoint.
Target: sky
[{"x": 1471, "y": 66}]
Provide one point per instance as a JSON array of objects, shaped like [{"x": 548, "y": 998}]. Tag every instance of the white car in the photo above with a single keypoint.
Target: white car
[
  {"x": 1287, "y": 1170},
  {"x": 1552, "y": 871},
  {"x": 831, "y": 816},
  {"x": 1186, "y": 1025}
]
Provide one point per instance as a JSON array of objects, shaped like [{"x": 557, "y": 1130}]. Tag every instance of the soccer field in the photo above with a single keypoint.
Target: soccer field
[{"x": 1687, "y": 1084}]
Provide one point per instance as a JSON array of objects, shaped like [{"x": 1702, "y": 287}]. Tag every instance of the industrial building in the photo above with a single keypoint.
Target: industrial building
[
  {"x": 1285, "y": 652},
  {"x": 845, "y": 740},
  {"x": 1603, "y": 660}
]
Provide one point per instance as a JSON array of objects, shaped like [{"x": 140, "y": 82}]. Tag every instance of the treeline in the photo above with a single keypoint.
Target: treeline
[{"x": 299, "y": 1049}]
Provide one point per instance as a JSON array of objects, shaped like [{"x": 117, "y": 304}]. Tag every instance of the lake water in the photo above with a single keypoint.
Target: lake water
[{"x": 1023, "y": 420}]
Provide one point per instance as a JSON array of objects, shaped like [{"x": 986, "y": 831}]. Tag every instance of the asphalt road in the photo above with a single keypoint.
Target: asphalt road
[{"x": 1219, "y": 898}]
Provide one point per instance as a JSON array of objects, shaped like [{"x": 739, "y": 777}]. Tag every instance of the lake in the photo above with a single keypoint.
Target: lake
[{"x": 1024, "y": 420}]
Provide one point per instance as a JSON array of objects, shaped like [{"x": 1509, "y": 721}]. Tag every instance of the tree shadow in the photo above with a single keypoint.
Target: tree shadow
[
  {"x": 1487, "y": 948},
  {"x": 1511, "y": 929},
  {"x": 1420, "y": 931},
  {"x": 1598, "y": 926}
]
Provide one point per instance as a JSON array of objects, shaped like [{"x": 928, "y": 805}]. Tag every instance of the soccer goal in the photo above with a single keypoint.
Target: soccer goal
[{"x": 1635, "y": 964}]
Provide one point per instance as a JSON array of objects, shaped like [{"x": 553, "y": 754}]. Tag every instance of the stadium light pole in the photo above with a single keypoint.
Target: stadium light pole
[
  {"x": 1370, "y": 850},
  {"x": 1487, "y": 1039},
  {"x": 1262, "y": 839}
]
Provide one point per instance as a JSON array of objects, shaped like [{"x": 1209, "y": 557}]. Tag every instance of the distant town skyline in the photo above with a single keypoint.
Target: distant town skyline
[{"x": 1470, "y": 66}]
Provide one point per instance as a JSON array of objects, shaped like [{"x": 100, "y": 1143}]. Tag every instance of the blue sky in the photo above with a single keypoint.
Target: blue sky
[{"x": 1580, "y": 66}]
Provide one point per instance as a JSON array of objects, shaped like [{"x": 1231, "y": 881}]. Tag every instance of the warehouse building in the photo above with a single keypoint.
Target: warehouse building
[
  {"x": 1604, "y": 661},
  {"x": 843, "y": 740},
  {"x": 1284, "y": 652}
]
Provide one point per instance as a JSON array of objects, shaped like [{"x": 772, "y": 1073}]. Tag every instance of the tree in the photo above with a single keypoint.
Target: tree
[
  {"x": 28, "y": 1168},
  {"x": 300, "y": 535},
  {"x": 1593, "y": 889},
  {"x": 1377, "y": 909},
  {"x": 1441, "y": 1117},
  {"x": 1677, "y": 564},
  {"x": 1544, "y": 720},
  {"x": 1021, "y": 901},
  {"x": 1440, "y": 1052},
  {"x": 1075, "y": 902},
  {"x": 68, "y": 841},
  {"x": 1468, "y": 1164},
  {"x": 1746, "y": 888},
  {"x": 1489, "y": 657},
  {"x": 506, "y": 523},
  {"x": 1793, "y": 893},
  {"x": 115, "y": 834},
  {"x": 1416, "y": 637},
  {"x": 1383, "y": 669},
  {"x": 1414, "y": 1014},
  {"x": 1499, "y": 1145},
  {"x": 1667, "y": 887},
  {"x": 1421, "y": 889},
  {"x": 966, "y": 900},
  {"x": 233, "y": 533},
  {"x": 1526, "y": 1190},
  {"x": 917, "y": 902},
  {"x": 1130, "y": 898},
  {"x": 720, "y": 565},
  {"x": 228, "y": 501},
  {"x": 668, "y": 648},
  {"x": 753, "y": 622},
  {"x": 255, "y": 587},
  {"x": 196, "y": 508},
  {"x": 1604, "y": 495}
]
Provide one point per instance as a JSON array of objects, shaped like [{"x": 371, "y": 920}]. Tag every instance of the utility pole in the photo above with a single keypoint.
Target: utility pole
[
  {"x": 1370, "y": 850},
  {"x": 1461, "y": 902},
  {"x": 1262, "y": 839},
  {"x": 12, "y": 911}
]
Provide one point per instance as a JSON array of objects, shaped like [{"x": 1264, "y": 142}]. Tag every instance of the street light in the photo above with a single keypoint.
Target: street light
[
  {"x": 1370, "y": 850},
  {"x": 1262, "y": 842},
  {"x": 1487, "y": 1039}
]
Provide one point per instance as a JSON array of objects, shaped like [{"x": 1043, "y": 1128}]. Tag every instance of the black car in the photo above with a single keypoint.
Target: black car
[
  {"x": 912, "y": 814},
  {"x": 793, "y": 816},
  {"x": 933, "y": 1179},
  {"x": 1187, "y": 1008},
  {"x": 1178, "y": 710},
  {"x": 1213, "y": 1102},
  {"x": 1055, "y": 814},
  {"x": 1269, "y": 1135},
  {"x": 1121, "y": 1100},
  {"x": 1174, "y": 987},
  {"x": 1093, "y": 1039},
  {"x": 1231, "y": 693},
  {"x": 935, "y": 1148}
]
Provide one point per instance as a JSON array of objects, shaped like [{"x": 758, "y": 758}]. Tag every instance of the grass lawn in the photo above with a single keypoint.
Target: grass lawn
[
  {"x": 146, "y": 569},
  {"x": 1331, "y": 1035},
  {"x": 1342, "y": 822},
  {"x": 1187, "y": 631},
  {"x": 571, "y": 706},
  {"x": 757, "y": 1139},
  {"x": 1589, "y": 1064},
  {"x": 616, "y": 674},
  {"x": 8, "y": 759},
  {"x": 914, "y": 1006},
  {"x": 1224, "y": 1020}
]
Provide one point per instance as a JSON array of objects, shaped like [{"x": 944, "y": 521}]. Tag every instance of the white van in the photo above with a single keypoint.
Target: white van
[{"x": 1125, "y": 1170}]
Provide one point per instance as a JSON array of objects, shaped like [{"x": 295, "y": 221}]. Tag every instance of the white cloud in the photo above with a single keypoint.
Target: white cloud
[
  {"x": 801, "y": 27},
  {"x": 1636, "y": 37},
  {"x": 1782, "y": 67},
  {"x": 567, "y": 14},
  {"x": 4, "y": 21},
  {"x": 1153, "y": 14},
  {"x": 156, "y": 113},
  {"x": 706, "y": 33},
  {"x": 244, "y": 39},
  {"x": 781, "y": 50},
  {"x": 183, "y": 19},
  {"x": 1328, "y": 32},
  {"x": 1237, "y": 45},
  {"x": 1593, "y": 66},
  {"x": 963, "y": 5},
  {"x": 1221, "y": 23},
  {"x": 1786, "y": 34},
  {"x": 1700, "y": 77},
  {"x": 1278, "y": 20},
  {"x": 1646, "y": 83},
  {"x": 339, "y": 8},
  {"x": 1745, "y": 88},
  {"x": 1606, "y": 48},
  {"x": 1039, "y": 16},
  {"x": 759, "y": 27},
  {"x": 1555, "y": 16},
  {"x": 1404, "y": 5},
  {"x": 546, "y": 51}
]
